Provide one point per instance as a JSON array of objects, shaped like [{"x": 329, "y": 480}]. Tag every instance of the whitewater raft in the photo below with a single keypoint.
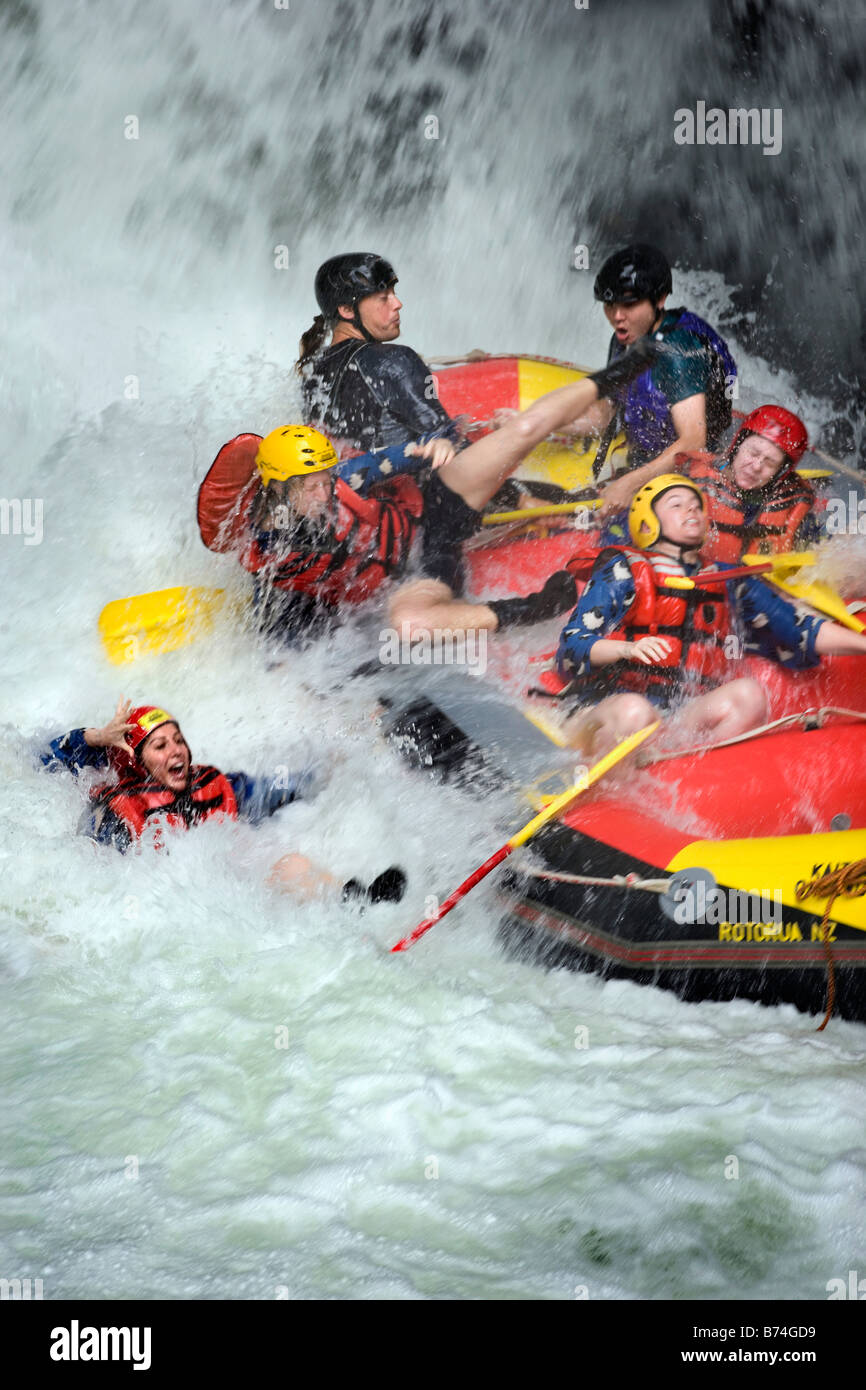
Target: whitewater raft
[{"x": 699, "y": 873}]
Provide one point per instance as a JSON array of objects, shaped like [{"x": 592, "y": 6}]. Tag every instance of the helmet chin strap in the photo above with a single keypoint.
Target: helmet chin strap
[
  {"x": 682, "y": 546},
  {"x": 356, "y": 319}
]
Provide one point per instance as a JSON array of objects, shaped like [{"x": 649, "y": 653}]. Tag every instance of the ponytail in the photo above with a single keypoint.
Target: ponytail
[{"x": 311, "y": 342}]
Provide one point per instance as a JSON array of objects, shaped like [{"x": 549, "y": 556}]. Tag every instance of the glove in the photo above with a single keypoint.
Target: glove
[
  {"x": 559, "y": 593},
  {"x": 640, "y": 356},
  {"x": 389, "y": 887}
]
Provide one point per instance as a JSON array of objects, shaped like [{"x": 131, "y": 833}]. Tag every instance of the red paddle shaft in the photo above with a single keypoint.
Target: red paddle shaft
[{"x": 487, "y": 867}]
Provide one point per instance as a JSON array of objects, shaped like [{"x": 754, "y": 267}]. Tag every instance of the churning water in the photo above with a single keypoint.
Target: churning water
[{"x": 209, "y": 1091}]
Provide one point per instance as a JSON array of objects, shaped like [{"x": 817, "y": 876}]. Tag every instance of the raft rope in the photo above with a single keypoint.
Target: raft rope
[
  {"x": 650, "y": 885},
  {"x": 813, "y": 717},
  {"x": 847, "y": 882}
]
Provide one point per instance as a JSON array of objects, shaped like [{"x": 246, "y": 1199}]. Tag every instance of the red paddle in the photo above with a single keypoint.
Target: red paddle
[{"x": 553, "y": 808}]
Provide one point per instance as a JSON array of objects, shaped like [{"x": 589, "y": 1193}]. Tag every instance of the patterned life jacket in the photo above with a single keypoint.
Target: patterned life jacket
[
  {"x": 696, "y": 622},
  {"x": 787, "y": 502},
  {"x": 646, "y": 412},
  {"x": 370, "y": 537},
  {"x": 135, "y": 800}
]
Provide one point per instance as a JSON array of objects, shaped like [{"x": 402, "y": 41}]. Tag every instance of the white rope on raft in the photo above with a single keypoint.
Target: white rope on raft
[
  {"x": 650, "y": 885},
  {"x": 814, "y": 713}
]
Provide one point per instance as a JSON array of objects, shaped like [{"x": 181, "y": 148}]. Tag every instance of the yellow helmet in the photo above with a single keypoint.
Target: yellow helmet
[
  {"x": 292, "y": 451},
  {"x": 643, "y": 524}
]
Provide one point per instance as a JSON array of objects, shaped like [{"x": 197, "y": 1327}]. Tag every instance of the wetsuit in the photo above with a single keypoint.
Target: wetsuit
[
  {"x": 373, "y": 395},
  {"x": 767, "y": 624},
  {"x": 702, "y": 364},
  {"x": 117, "y": 810}
]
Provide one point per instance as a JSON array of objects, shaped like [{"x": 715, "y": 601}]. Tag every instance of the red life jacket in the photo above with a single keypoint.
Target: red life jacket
[
  {"x": 695, "y": 622},
  {"x": 369, "y": 540},
  {"x": 789, "y": 500},
  {"x": 134, "y": 800}
]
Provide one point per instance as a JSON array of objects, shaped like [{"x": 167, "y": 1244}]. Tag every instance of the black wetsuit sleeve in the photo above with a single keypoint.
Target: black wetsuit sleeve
[
  {"x": 558, "y": 594},
  {"x": 403, "y": 384}
]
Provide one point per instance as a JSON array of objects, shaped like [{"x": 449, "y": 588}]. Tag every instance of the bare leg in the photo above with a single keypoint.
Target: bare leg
[
  {"x": 298, "y": 875},
  {"x": 732, "y": 709},
  {"x": 479, "y": 471},
  {"x": 595, "y": 731},
  {"x": 425, "y": 604}
]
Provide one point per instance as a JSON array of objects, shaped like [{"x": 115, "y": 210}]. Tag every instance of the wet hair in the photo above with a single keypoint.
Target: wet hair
[
  {"x": 312, "y": 341},
  {"x": 265, "y": 501}
]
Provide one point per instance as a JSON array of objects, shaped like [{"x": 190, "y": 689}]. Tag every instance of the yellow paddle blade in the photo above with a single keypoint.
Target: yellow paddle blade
[
  {"x": 158, "y": 622},
  {"x": 590, "y": 775},
  {"x": 546, "y": 726},
  {"x": 527, "y": 513},
  {"x": 815, "y": 473},
  {"x": 822, "y": 597},
  {"x": 788, "y": 560}
]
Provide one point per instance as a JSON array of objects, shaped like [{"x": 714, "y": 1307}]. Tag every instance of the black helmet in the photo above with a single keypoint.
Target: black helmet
[
  {"x": 634, "y": 273},
  {"x": 346, "y": 279}
]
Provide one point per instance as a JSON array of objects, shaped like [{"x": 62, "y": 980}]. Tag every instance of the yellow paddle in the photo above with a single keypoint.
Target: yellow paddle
[
  {"x": 776, "y": 570},
  {"x": 158, "y": 622},
  {"x": 817, "y": 594},
  {"x": 554, "y": 807},
  {"x": 761, "y": 564},
  {"x": 529, "y": 513}
]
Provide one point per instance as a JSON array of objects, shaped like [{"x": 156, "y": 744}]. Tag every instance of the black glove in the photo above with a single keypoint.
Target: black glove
[
  {"x": 633, "y": 363},
  {"x": 559, "y": 593},
  {"x": 389, "y": 887}
]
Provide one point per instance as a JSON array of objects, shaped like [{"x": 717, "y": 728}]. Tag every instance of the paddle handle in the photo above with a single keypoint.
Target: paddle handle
[
  {"x": 465, "y": 887},
  {"x": 529, "y": 513}
]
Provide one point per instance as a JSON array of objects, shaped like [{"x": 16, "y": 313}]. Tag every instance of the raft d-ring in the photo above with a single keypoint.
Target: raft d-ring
[{"x": 688, "y": 895}]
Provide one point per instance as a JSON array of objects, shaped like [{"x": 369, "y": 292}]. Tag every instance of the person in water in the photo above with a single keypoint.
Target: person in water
[
  {"x": 756, "y": 501},
  {"x": 634, "y": 644},
  {"x": 155, "y": 785},
  {"x": 315, "y": 542},
  {"x": 682, "y": 403},
  {"x": 363, "y": 389}
]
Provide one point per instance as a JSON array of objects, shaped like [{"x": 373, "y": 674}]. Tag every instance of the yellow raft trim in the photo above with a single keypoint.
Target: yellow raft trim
[
  {"x": 570, "y": 467},
  {"x": 776, "y": 864}
]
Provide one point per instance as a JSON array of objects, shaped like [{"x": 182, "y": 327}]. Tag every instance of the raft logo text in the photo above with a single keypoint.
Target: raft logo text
[
  {"x": 736, "y": 126},
  {"x": 22, "y": 516},
  {"x": 441, "y": 646}
]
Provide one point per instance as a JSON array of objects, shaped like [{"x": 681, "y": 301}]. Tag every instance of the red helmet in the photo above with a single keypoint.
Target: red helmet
[
  {"x": 144, "y": 720},
  {"x": 780, "y": 427}
]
